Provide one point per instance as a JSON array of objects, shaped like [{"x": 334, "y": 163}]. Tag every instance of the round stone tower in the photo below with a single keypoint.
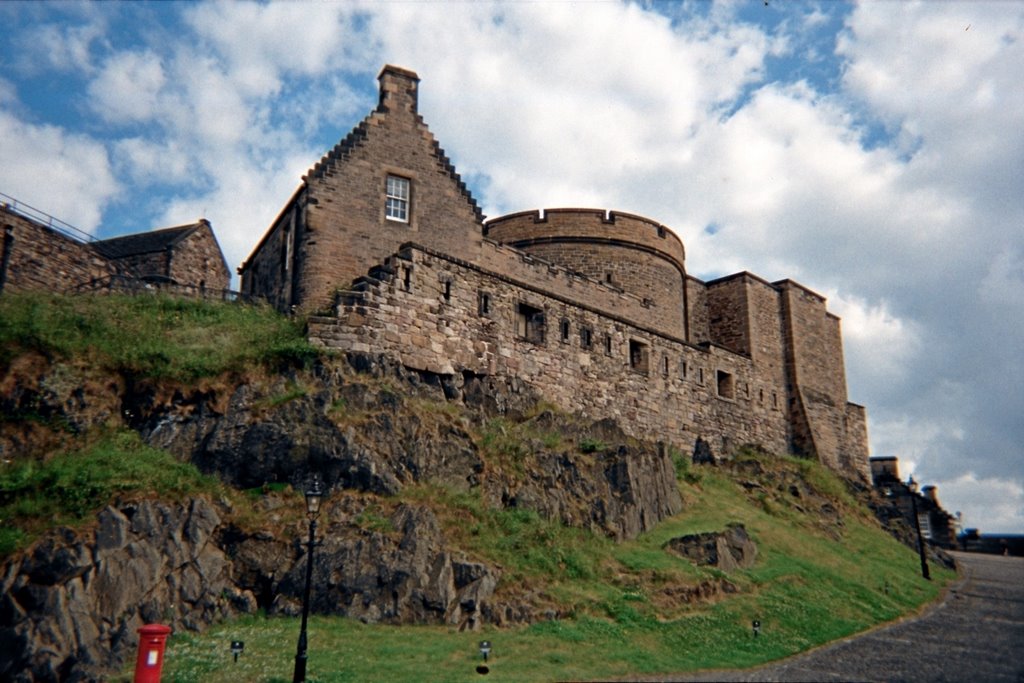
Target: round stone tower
[{"x": 638, "y": 255}]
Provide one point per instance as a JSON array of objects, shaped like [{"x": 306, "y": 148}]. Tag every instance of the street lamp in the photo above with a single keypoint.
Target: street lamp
[
  {"x": 912, "y": 487},
  {"x": 314, "y": 495}
]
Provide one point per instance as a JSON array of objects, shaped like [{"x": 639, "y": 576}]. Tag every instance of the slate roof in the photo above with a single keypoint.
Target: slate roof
[{"x": 145, "y": 242}]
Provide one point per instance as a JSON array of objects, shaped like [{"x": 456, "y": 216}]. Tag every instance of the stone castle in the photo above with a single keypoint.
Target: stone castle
[{"x": 385, "y": 248}]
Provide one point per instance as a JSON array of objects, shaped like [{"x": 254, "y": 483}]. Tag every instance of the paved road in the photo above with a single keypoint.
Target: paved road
[{"x": 975, "y": 634}]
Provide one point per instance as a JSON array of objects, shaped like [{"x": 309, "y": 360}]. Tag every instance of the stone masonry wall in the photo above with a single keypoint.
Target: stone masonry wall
[
  {"x": 728, "y": 319},
  {"x": 824, "y": 427},
  {"x": 697, "y": 310},
  {"x": 635, "y": 254},
  {"x": 270, "y": 271},
  {"x": 197, "y": 260},
  {"x": 347, "y": 228},
  {"x": 40, "y": 258},
  {"x": 428, "y": 310}
]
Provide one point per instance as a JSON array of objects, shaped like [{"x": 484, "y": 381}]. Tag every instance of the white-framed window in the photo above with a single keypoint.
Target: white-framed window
[{"x": 396, "y": 203}]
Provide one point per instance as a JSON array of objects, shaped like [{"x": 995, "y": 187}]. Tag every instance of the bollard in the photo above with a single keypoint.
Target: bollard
[{"x": 150, "y": 662}]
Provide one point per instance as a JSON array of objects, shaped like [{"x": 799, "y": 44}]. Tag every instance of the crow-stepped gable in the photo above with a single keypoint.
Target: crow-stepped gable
[{"x": 593, "y": 309}]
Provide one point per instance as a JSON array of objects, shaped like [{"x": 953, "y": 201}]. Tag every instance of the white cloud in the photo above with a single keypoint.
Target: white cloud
[
  {"x": 261, "y": 43},
  {"x": 992, "y": 505},
  {"x": 66, "y": 175},
  {"x": 877, "y": 343},
  {"x": 127, "y": 87},
  {"x": 148, "y": 161}
]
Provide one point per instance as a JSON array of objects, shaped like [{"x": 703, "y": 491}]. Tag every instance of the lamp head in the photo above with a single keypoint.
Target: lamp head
[
  {"x": 911, "y": 484},
  {"x": 314, "y": 496}
]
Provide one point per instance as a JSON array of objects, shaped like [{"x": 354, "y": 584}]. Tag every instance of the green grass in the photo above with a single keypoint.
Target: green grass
[
  {"x": 68, "y": 488},
  {"x": 150, "y": 336},
  {"x": 807, "y": 588}
]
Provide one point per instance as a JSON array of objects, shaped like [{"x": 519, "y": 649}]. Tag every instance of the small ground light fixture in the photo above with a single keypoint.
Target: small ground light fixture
[
  {"x": 236, "y": 648},
  {"x": 757, "y": 627},
  {"x": 485, "y": 648}
]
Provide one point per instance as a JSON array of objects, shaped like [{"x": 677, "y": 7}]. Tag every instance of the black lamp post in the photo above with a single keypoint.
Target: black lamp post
[
  {"x": 912, "y": 487},
  {"x": 314, "y": 494}
]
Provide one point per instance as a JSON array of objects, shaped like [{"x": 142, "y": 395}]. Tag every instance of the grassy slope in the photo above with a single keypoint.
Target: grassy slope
[
  {"x": 146, "y": 337},
  {"x": 807, "y": 588},
  {"x": 809, "y": 585}
]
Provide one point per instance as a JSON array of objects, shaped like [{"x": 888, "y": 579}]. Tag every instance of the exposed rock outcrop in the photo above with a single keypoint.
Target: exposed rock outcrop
[
  {"x": 71, "y": 606},
  {"x": 727, "y": 550}
]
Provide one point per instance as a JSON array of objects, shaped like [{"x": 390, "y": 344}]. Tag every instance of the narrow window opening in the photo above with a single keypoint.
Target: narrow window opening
[
  {"x": 760, "y": 395},
  {"x": 608, "y": 344},
  {"x": 664, "y": 366},
  {"x": 726, "y": 387},
  {"x": 638, "y": 357},
  {"x": 530, "y": 323},
  {"x": 775, "y": 400},
  {"x": 447, "y": 290},
  {"x": 563, "y": 328},
  {"x": 396, "y": 203},
  {"x": 682, "y": 369},
  {"x": 586, "y": 337},
  {"x": 407, "y": 278},
  {"x": 609, "y": 278},
  {"x": 484, "y": 303},
  {"x": 700, "y": 376}
]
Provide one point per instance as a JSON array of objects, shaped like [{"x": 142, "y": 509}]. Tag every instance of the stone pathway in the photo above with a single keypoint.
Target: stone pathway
[{"x": 975, "y": 634}]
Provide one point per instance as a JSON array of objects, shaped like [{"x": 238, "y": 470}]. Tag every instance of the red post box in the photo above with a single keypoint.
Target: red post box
[{"x": 150, "y": 662}]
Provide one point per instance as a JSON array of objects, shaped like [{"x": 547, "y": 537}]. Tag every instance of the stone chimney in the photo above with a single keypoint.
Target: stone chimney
[
  {"x": 398, "y": 90},
  {"x": 931, "y": 493}
]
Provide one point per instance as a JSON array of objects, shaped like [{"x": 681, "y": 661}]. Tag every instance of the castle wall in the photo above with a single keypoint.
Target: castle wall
[
  {"x": 427, "y": 309},
  {"x": 824, "y": 425},
  {"x": 697, "y": 311},
  {"x": 146, "y": 265},
  {"x": 36, "y": 257},
  {"x": 347, "y": 228},
  {"x": 728, "y": 314},
  {"x": 635, "y": 254},
  {"x": 270, "y": 272}
]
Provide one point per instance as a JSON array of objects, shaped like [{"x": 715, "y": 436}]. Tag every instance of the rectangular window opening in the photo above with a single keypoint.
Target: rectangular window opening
[
  {"x": 664, "y": 366},
  {"x": 726, "y": 386},
  {"x": 638, "y": 356},
  {"x": 608, "y": 344},
  {"x": 447, "y": 291},
  {"x": 530, "y": 323},
  {"x": 563, "y": 328},
  {"x": 484, "y": 303},
  {"x": 396, "y": 203}
]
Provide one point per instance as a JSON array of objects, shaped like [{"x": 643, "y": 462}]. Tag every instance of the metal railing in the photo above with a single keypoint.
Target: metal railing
[
  {"x": 123, "y": 284},
  {"x": 33, "y": 214}
]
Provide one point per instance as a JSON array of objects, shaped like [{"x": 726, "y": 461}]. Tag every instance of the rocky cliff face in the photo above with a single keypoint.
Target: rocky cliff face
[{"x": 70, "y": 605}]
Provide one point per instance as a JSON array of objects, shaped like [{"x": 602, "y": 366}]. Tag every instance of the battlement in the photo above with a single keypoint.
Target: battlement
[{"x": 525, "y": 228}]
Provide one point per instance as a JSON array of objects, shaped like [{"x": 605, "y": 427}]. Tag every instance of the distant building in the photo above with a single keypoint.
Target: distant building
[
  {"x": 938, "y": 527},
  {"x": 40, "y": 253},
  {"x": 593, "y": 309}
]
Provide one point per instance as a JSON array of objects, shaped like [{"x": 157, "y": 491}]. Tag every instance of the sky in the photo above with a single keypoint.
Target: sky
[{"x": 873, "y": 152}]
